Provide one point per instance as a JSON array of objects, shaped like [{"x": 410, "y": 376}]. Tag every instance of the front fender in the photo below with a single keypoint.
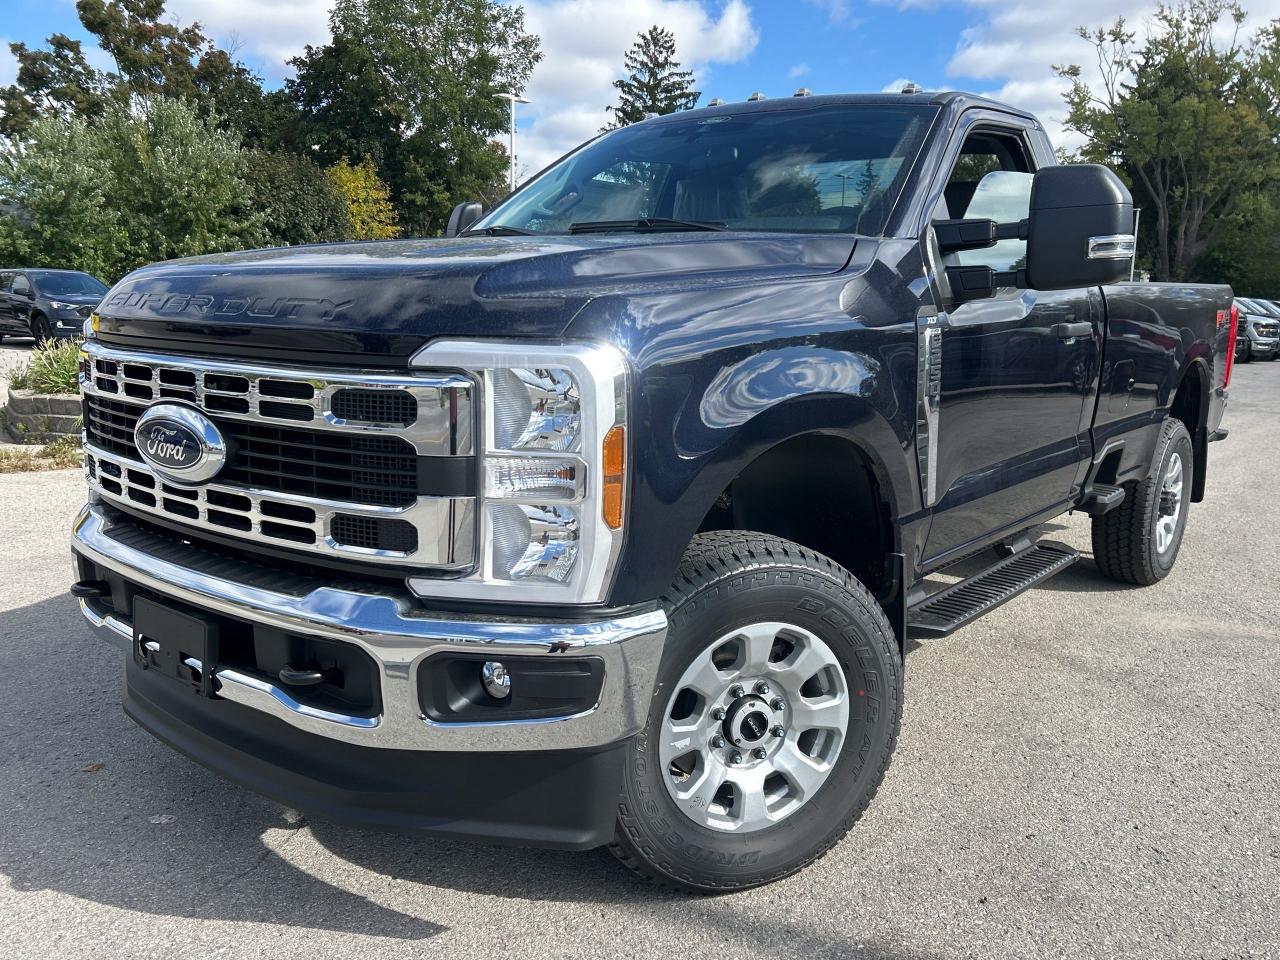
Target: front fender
[{"x": 722, "y": 376}]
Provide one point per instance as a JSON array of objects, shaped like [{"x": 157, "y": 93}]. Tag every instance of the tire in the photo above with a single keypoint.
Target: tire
[
  {"x": 799, "y": 607},
  {"x": 1244, "y": 354},
  {"x": 40, "y": 328},
  {"x": 1136, "y": 543}
]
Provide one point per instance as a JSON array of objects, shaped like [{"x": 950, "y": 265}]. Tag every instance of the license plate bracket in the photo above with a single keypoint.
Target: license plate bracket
[{"x": 176, "y": 643}]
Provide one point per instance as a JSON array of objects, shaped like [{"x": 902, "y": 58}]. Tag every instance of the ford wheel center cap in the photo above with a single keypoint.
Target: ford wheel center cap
[{"x": 180, "y": 443}]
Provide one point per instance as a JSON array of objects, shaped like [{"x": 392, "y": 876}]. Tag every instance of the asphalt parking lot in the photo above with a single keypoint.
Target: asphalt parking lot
[{"x": 1089, "y": 771}]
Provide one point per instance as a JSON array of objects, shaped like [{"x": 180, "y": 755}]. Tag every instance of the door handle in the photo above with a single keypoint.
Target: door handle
[{"x": 1069, "y": 331}]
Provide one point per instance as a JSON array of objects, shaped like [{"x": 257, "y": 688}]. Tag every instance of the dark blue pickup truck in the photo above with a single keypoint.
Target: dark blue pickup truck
[{"x": 605, "y": 519}]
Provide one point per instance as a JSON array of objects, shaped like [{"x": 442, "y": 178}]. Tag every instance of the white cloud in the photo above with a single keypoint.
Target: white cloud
[
  {"x": 583, "y": 42},
  {"x": 895, "y": 86},
  {"x": 264, "y": 33},
  {"x": 838, "y": 11},
  {"x": 1014, "y": 46},
  {"x": 798, "y": 71}
]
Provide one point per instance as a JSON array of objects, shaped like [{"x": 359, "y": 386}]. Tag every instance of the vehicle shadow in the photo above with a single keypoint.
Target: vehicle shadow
[{"x": 102, "y": 812}]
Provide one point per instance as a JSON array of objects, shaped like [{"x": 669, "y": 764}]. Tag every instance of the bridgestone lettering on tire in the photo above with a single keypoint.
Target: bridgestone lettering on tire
[
  {"x": 801, "y": 611},
  {"x": 1137, "y": 542}
]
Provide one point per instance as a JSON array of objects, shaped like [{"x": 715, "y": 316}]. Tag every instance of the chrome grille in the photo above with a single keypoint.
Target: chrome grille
[
  {"x": 330, "y": 483},
  {"x": 441, "y": 423}
]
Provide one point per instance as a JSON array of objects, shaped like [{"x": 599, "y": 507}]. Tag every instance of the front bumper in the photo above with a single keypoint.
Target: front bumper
[
  {"x": 1264, "y": 347},
  {"x": 549, "y": 781},
  {"x": 390, "y": 629}
]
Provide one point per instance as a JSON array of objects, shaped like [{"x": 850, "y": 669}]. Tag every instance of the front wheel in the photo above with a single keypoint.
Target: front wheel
[
  {"x": 774, "y": 715},
  {"x": 40, "y": 328},
  {"x": 1138, "y": 541}
]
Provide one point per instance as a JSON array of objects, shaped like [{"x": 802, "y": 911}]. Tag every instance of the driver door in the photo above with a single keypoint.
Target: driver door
[{"x": 1012, "y": 414}]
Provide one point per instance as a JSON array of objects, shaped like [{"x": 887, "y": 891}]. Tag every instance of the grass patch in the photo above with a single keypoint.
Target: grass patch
[
  {"x": 54, "y": 367},
  {"x": 62, "y": 454}
]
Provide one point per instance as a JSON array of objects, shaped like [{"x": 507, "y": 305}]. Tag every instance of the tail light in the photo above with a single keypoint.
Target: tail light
[{"x": 1231, "y": 343}]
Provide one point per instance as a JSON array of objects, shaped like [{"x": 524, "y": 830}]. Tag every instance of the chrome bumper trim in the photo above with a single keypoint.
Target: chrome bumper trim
[{"x": 398, "y": 637}]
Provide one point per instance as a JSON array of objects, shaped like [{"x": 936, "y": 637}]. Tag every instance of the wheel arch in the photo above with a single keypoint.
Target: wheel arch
[
  {"x": 823, "y": 490},
  {"x": 1191, "y": 405}
]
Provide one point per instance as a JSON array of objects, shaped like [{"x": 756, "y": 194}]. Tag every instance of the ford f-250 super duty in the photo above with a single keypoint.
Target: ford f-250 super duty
[{"x": 605, "y": 519}]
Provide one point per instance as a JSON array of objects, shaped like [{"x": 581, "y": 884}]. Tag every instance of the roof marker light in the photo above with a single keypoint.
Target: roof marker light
[
  {"x": 803, "y": 92},
  {"x": 756, "y": 96}
]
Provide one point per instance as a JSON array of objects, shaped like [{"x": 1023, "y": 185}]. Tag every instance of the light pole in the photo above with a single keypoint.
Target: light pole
[
  {"x": 514, "y": 98},
  {"x": 844, "y": 182}
]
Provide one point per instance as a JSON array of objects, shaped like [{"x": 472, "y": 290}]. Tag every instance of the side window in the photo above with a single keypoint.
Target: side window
[
  {"x": 5, "y": 280},
  {"x": 991, "y": 180},
  {"x": 21, "y": 285}
]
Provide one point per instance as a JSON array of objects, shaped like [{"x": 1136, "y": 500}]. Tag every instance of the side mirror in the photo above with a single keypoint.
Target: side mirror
[
  {"x": 1080, "y": 231},
  {"x": 463, "y": 216}
]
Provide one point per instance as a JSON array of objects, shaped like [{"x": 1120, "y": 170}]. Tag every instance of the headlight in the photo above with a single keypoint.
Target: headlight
[
  {"x": 553, "y": 470},
  {"x": 59, "y": 305}
]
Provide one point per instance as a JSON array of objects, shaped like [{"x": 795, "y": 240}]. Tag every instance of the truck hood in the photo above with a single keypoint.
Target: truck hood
[{"x": 384, "y": 300}]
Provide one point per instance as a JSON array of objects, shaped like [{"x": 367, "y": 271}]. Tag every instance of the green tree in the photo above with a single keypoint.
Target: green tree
[
  {"x": 153, "y": 56},
  {"x": 654, "y": 84},
  {"x": 346, "y": 108},
  {"x": 367, "y": 198},
  {"x": 57, "y": 188},
  {"x": 1191, "y": 120},
  {"x": 152, "y": 180},
  {"x": 178, "y": 182},
  {"x": 299, "y": 201},
  {"x": 428, "y": 111},
  {"x": 55, "y": 82}
]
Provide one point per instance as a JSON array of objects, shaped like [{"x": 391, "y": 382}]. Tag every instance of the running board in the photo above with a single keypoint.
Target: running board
[{"x": 941, "y": 614}]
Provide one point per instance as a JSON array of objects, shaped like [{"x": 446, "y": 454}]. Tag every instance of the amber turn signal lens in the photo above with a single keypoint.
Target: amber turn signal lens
[{"x": 615, "y": 469}]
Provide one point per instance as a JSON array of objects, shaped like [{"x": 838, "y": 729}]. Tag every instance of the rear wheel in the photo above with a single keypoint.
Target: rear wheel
[
  {"x": 774, "y": 715},
  {"x": 1138, "y": 541}
]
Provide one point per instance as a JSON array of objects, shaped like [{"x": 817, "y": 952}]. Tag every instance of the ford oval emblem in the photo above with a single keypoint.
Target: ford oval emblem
[{"x": 180, "y": 443}]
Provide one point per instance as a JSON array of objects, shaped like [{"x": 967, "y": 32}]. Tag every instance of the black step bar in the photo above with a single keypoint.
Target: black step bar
[{"x": 946, "y": 611}]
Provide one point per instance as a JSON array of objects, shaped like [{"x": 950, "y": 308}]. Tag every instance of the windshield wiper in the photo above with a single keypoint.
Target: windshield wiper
[
  {"x": 498, "y": 230},
  {"x": 644, "y": 223}
]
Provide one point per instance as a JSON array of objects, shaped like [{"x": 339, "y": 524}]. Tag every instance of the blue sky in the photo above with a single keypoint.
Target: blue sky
[{"x": 1001, "y": 47}]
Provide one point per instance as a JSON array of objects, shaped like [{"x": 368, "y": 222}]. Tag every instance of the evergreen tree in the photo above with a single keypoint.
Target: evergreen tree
[{"x": 655, "y": 84}]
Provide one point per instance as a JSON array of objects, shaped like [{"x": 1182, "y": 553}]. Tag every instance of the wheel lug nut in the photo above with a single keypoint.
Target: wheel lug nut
[
  {"x": 736, "y": 691},
  {"x": 717, "y": 713},
  {"x": 762, "y": 688},
  {"x": 735, "y": 757},
  {"x": 717, "y": 741},
  {"x": 759, "y": 753},
  {"x": 778, "y": 703},
  {"x": 779, "y": 732}
]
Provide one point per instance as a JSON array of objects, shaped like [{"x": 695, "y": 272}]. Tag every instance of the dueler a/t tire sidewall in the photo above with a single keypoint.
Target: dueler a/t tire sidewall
[{"x": 789, "y": 585}]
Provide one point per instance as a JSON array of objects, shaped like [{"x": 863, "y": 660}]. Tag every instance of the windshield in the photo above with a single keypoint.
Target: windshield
[
  {"x": 829, "y": 169},
  {"x": 67, "y": 284}
]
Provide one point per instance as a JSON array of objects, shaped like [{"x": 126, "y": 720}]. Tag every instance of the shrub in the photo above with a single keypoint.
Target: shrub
[
  {"x": 53, "y": 368},
  {"x": 368, "y": 200},
  {"x": 151, "y": 180}
]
